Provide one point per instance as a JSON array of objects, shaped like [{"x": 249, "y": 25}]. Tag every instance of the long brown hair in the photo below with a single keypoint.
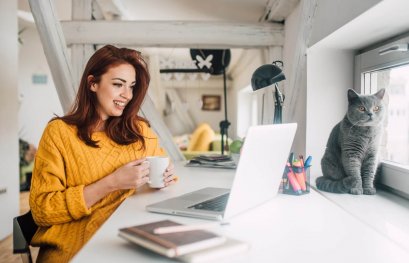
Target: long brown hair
[{"x": 122, "y": 129}]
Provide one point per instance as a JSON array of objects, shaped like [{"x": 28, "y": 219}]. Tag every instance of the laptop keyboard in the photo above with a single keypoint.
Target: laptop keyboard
[{"x": 217, "y": 204}]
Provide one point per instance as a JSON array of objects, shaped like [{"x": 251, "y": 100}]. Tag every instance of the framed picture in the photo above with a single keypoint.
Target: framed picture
[{"x": 211, "y": 102}]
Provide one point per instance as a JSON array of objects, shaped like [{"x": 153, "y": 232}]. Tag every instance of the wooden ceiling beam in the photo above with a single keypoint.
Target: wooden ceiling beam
[
  {"x": 278, "y": 10},
  {"x": 174, "y": 33}
]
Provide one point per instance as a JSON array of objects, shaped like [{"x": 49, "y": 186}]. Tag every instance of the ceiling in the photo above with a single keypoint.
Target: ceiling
[
  {"x": 195, "y": 10},
  {"x": 172, "y": 10},
  {"x": 246, "y": 11}
]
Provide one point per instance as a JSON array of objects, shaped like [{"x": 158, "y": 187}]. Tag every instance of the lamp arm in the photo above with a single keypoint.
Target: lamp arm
[
  {"x": 278, "y": 105},
  {"x": 279, "y": 97}
]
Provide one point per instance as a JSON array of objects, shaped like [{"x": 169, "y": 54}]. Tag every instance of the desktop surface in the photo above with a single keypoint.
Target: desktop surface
[{"x": 307, "y": 228}]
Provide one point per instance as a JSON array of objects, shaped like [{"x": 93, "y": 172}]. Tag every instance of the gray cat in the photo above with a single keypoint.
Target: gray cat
[{"x": 351, "y": 158}]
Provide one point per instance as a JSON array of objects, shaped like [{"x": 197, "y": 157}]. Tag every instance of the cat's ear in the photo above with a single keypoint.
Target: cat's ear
[
  {"x": 352, "y": 95},
  {"x": 380, "y": 94}
]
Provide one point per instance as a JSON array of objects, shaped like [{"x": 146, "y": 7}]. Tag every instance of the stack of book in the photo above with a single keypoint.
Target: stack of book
[
  {"x": 212, "y": 161},
  {"x": 187, "y": 246}
]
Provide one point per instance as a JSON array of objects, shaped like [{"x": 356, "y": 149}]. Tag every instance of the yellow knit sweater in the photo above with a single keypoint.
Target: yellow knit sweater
[{"x": 63, "y": 166}]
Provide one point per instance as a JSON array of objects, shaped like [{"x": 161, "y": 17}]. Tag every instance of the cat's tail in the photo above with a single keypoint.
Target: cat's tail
[{"x": 328, "y": 185}]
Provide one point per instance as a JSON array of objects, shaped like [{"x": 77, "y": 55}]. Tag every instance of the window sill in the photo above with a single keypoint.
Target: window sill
[
  {"x": 385, "y": 212},
  {"x": 395, "y": 177}
]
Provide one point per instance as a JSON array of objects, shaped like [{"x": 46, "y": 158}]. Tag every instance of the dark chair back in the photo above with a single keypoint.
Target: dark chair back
[{"x": 24, "y": 229}]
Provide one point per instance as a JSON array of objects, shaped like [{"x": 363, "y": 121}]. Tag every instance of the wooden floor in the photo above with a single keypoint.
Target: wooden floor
[{"x": 6, "y": 245}]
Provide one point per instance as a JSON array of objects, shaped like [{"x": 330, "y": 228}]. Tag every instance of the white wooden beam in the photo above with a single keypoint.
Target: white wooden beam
[
  {"x": 80, "y": 53},
  {"x": 156, "y": 91},
  {"x": 183, "y": 113},
  {"x": 55, "y": 50},
  {"x": 296, "y": 94},
  {"x": 149, "y": 111},
  {"x": 175, "y": 33},
  {"x": 278, "y": 10},
  {"x": 215, "y": 82}
]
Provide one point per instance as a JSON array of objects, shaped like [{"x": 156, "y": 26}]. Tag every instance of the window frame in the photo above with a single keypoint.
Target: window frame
[{"x": 394, "y": 176}]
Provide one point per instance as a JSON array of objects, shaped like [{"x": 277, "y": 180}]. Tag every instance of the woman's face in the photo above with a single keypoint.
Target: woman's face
[{"x": 114, "y": 90}]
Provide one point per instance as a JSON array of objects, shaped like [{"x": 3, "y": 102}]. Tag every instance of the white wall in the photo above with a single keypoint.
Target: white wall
[
  {"x": 39, "y": 102},
  {"x": 332, "y": 15},
  {"x": 9, "y": 166},
  {"x": 191, "y": 97},
  {"x": 245, "y": 98},
  {"x": 250, "y": 60},
  {"x": 330, "y": 75}
]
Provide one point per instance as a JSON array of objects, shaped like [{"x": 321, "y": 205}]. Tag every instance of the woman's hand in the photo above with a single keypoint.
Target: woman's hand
[
  {"x": 131, "y": 175},
  {"x": 169, "y": 176}
]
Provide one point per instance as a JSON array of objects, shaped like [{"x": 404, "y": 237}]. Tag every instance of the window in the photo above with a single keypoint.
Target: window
[
  {"x": 387, "y": 66},
  {"x": 396, "y": 81},
  {"x": 247, "y": 110}
]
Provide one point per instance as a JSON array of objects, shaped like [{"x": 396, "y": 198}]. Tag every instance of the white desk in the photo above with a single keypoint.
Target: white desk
[{"x": 308, "y": 228}]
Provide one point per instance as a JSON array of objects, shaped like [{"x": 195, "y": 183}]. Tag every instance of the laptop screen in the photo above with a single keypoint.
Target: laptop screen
[{"x": 262, "y": 162}]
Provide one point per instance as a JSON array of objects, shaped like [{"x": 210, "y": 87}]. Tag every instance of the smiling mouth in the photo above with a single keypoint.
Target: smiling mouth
[{"x": 120, "y": 103}]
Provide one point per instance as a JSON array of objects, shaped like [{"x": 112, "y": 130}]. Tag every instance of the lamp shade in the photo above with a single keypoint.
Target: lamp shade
[{"x": 265, "y": 76}]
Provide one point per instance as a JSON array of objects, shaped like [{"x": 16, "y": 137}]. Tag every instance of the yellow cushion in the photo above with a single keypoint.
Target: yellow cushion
[{"x": 201, "y": 138}]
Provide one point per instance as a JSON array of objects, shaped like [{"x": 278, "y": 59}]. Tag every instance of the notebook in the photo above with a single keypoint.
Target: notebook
[
  {"x": 171, "y": 244},
  {"x": 257, "y": 179}
]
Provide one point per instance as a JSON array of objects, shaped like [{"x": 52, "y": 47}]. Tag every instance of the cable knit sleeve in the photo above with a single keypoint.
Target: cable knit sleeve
[{"x": 51, "y": 201}]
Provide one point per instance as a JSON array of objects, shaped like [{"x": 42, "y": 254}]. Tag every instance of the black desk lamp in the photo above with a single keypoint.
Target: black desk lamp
[{"x": 265, "y": 76}]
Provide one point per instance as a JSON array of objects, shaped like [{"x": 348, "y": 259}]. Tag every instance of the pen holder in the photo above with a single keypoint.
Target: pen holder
[{"x": 295, "y": 181}]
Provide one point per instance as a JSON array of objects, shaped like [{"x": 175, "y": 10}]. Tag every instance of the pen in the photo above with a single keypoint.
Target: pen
[
  {"x": 184, "y": 228},
  {"x": 293, "y": 180},
  {"x": 299, "y": 175},
  {"x": 308, "y": 162}
]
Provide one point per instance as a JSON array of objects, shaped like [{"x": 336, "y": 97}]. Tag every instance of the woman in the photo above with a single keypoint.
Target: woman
[{"x": 90, "y": 160}]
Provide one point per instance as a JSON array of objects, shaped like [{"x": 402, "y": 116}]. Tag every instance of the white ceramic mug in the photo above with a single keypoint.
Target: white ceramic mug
[{"x": 158, "y": 165}]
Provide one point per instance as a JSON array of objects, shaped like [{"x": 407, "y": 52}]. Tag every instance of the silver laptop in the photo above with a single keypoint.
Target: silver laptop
[{"x": 257, "y": 179}]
